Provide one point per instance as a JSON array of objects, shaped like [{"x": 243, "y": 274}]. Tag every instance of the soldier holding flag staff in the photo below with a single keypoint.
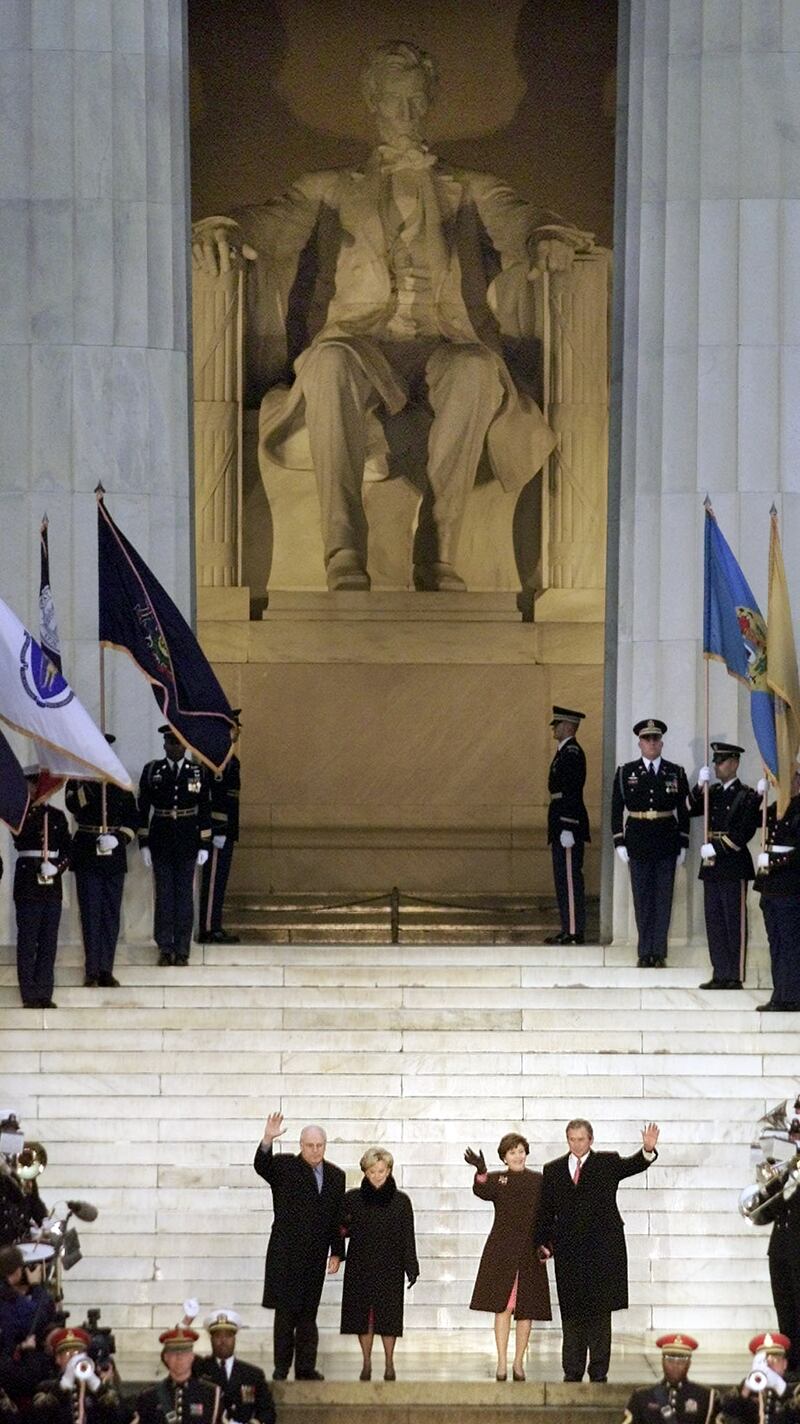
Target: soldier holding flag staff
[
  {"x": 42, "y": 847},
  {"x": 225, "y": 788},
  {"x": 568, "y": 825},
  {"x": 650, "y": 825},
  {"x": 107, "y": 819},
  {"x": 778, "y": 884},
  {"x": 174, "y": 836},
  {"x": 734, "y": 815}
]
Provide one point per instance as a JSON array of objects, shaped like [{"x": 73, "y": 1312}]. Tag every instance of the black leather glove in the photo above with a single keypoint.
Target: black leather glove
[
  {"x": 476, "y": 1160},
  {"x": 412, "y": 1280}
]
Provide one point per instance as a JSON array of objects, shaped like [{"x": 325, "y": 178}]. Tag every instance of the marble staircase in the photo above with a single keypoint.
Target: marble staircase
[{"x": 151, "y": 1098}]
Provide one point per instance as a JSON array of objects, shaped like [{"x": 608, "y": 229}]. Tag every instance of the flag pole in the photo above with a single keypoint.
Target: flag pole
[
  {"x": 99, "y": 492},
  {"x": 707, "y": 716}
]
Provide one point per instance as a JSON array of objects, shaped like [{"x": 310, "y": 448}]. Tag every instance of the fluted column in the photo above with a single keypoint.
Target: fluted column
[
  {"x": 93, "y": 314},
  {"x": 710, "y": 331}
]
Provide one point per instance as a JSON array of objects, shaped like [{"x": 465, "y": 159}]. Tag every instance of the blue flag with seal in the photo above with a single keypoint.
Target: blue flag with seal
[
  {"x": 138, "y": 616},
  {"x": 735, "y": 632}
]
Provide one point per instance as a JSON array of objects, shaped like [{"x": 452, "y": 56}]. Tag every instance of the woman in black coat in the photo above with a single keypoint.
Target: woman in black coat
[{"x": 379, "y": 1220}]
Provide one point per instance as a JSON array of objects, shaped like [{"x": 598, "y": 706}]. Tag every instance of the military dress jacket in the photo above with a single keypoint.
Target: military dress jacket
[
  {"x": 565, "y": 783},
  {"x": 734, "y": 816},
  {"x": 84, "y": 801},
  {"x": 225, "y": 788},
  {"x": 649, "y": 812},
  {"x": 782, "y": 877},
  {"x": 246, "y": 1396},
  {"x": 688, "y": 1402},
  {"x": 54, "y": 1405},
  {"x": 765, "y": 1408},
  {"x": 32, "y": 838},
  {"x": 174, "y": 807},
  {"x": 195, "y": 1402}
]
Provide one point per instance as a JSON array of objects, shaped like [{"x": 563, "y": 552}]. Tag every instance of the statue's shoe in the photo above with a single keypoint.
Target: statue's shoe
[
  {"x": 438, "y": 578},
  {"x": 345, "y": 571}
]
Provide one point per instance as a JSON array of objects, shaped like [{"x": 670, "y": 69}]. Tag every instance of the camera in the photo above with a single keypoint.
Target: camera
[{"x": 102, "y": 1345}]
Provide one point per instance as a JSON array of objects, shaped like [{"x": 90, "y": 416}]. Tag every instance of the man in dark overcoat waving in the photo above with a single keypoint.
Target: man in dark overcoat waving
[
  {"x": 307, "y": 1196},
  {"x": 580, "y": 1225}
]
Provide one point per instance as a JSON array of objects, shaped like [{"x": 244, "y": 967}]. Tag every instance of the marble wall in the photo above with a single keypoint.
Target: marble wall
[
  {"x": 93, "y": 328},
  {"x": 708, "y": 351}
]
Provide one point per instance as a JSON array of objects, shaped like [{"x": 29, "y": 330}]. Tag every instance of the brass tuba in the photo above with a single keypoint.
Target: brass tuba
[{"x": 774, "y": 1177}]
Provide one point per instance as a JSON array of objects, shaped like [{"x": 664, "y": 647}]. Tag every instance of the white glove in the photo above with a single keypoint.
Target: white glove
[
  {"x": 763, "y": 860},
  {"x": 107, "y": 842},
  {"x": 147, "y": 857},
  {"x": 681, "y": 856},
  {"x": 761, "y": 786},
  {"x": 567, "y": 839},
  {"x": 47, "y": 870},
  {"x": 68, "y": 1374},
  {"x": 191, "y": 1308},
  {"x": 623, "y": 854},
  {"x": 704, "y": 775},
  {"x": 773, "y": 1380},
  {"x": 202, "y": 857},
  {"x": 92, "y": 1382},
  {"x": 707, "y": 852},
  {"x": 218, "y": 842}
]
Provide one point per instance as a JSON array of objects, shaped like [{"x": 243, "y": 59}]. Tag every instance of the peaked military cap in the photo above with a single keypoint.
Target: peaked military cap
[
  {"x": 566, "y": 714},
  {"x": 222, "y": 1319},
  {"x": 722, "y": 750},
  {"x": 770, "y": 1342},
  {"x": 68, "y": 1338},
  {"x": 178, "y": 1338},
  {"x": 650, "y": 727},
  {"x": 676, "y": 1344},
  {"x": 167, "y": 731}
]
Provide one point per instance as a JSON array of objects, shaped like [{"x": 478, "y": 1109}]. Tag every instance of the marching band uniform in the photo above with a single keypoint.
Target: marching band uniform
[
  {"x": 650, "y": 825},
  {"x": 67, "y": 1400},
  {"x": 190, "y": 1401},
  {"x": 677, "y": 1400},
  {"x": 246, "y": 1396},
  {"x": 225, "y": 789},
  {"x": 778, "y": 884},
  {"x": 568, "y": 821},
  {"x": 37, "y": 898},
  {"x": 175, "y": 827},
  {"x": 734, "y": 814},
  {"x": 100, "y": 868},
  {"x": 771, "y": 1405}
]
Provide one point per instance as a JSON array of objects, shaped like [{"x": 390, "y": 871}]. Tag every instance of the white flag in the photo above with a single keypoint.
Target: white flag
[{"x": 37, "y": 700}]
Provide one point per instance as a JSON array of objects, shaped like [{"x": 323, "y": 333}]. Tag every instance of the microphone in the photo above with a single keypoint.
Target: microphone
[{"x": 83, "y": 1210}]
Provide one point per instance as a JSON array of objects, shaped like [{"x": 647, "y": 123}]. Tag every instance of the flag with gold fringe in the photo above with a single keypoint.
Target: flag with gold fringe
[{"x": 782, "y": 668}]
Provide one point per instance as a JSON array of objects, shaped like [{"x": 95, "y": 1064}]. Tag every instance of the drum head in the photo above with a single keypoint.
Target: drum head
[{"x": 35, "y": 1251}]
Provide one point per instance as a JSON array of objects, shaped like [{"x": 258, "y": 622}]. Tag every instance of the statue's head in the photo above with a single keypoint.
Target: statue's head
[{"x": 398, "y": 82}]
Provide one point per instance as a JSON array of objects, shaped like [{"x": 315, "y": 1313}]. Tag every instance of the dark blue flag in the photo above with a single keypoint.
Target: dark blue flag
[
  {"x": 139, "y": 617},
  {"x": 14, "y": 794}
]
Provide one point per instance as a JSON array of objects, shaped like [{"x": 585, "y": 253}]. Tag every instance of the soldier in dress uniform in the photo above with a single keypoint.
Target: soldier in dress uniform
[
  {"x": 106, "y": 821},
  {"x": 650, "y": 825},
  {"x": 676, "y": 1397},
  {"x": 734, "y": 815},
  {"x": 568, "y": 826},
  {"x": 225, "y": 787},
  {"x": 764, "y": 1396},
  {"x": 174, "y": 836},
  {"x": 180, "y": 1398},
  {"x": 778, "y": 884},
  {"x": 43, "y": 850},
  {"x": 246, "y": 1396},
  {"x": 79, "y": 1393}
]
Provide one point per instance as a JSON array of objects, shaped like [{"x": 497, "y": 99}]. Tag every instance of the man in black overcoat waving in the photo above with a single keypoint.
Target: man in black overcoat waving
[
  {"x": 307, "y": 1196},
  {"x": 580, "y": 1225}
]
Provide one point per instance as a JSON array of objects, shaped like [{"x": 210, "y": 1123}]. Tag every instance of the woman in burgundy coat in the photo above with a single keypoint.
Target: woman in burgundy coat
[{"x": 511, "y": 1280}]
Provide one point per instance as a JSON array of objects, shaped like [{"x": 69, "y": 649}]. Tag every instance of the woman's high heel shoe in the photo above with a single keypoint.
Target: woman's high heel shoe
[
  {"x": 517, "y": 1374},
  {"x": 366, "y": 1373},
  {"x": 501, "y": 1379}
]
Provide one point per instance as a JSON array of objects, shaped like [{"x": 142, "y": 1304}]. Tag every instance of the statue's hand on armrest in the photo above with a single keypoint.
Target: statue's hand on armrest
[
  {"x": 553, "y": 248},
  {"x": 218, "y": 246}
]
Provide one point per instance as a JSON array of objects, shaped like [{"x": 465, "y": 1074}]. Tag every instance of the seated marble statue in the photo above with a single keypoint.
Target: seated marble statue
[{"x": 398, "y": 261}]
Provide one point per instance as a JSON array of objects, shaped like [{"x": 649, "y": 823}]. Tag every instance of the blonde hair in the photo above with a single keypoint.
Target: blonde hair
[{"x": 376, "y": 1154}]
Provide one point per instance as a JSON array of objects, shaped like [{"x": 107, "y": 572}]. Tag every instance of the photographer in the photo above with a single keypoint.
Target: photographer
[{"x": 27, "y": 1314}]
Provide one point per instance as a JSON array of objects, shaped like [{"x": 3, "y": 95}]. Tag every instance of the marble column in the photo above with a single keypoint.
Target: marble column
[
  {"x": 93, "y": 318},
  {"x": 708, "y": 357}
]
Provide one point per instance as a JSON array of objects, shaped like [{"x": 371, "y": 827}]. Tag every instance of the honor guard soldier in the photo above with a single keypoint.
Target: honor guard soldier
[
  {"x": 246, "y": 1396},
  {"x": 43, "y": 849},
  {"x": 675, "y": 1398},
  {"x": 734, "y": 815},
  {"x": 778, "y": 884},
  {"x": 174, "y": 836},
  {"x": 650, "y": 825},
  {"x": 78, "y": 1394},
  {"x": 106, "y": 820},
  {"x": 764, "y": 1397},
  {"x": 568, "y": 826},
  {"x": 180, "y": 1398},
  {"x": 225, "y": 787}
]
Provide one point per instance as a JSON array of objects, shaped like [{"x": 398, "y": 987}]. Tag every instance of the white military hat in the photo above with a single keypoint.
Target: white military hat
[{"x": 222, "y": 1318}]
